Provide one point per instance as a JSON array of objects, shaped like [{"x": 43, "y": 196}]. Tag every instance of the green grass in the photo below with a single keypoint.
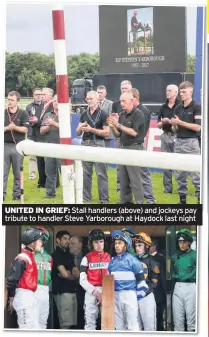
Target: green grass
[{"x": 33, "y": 195}]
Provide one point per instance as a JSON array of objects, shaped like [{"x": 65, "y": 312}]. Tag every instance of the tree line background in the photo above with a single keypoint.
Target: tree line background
[{"x": 24, "y": 72}]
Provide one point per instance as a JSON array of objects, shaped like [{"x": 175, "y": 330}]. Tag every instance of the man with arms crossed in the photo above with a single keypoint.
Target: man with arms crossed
[{"x": 64, "y": 275}]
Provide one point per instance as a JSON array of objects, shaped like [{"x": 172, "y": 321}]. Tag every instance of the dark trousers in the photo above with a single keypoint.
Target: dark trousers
[
  {"x": 80, "y": 300},
  {"x": 199, "y": 140},
  {"x": 42, "y": 174},
  {"x": 14, "y": 159},
  {"x": 41, "y": 171},
  {"x": 52, "y": 166},
  {"x": 160, "y": 311}
]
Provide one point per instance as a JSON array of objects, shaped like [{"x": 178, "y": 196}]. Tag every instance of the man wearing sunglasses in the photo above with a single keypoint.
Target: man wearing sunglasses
[
  {"x": 94, "y": 266},
  {"x": 129, "y": 283}
]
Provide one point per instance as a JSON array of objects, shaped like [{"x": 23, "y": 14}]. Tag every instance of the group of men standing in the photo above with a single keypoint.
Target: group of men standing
[
  {"x": 180, "y": 121},
  {"x": 128, "y": 121},
  {"x": 139, "y": 274},
  {"x": 128, "y": 124}
]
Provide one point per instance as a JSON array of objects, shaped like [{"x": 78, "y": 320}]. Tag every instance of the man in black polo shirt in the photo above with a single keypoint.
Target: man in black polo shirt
[
  {"x": 165, "y": 114},
  {"x": 35, "y": 122},
  {"x": 186, "y": 124},
  {"x": 145, "y": 173},
  {"x": 31, "y": 110},
  {"x": 16, "y": 125},
  {"x": 93, "y": 125},
  {"x": 130, "y": 127},
  {"x": 50, "y": 130},
  {"x": 64, "y": 275},
  {"x": 116, "y": 110}
]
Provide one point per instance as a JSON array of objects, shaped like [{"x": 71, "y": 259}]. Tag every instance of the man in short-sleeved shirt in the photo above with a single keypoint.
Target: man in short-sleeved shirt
[
  {"x": 187, "y": 124},
  {"x": 116, "y": 110},
  {"x": 94, "y": 128},
  {"x": 145, "y": 173},
  {"x": 16, "y": 125},
  {"x": 130, "y": 127},
  {"x": 50, "y": 131},
  {"x": 64, "y": 275},
  {"x": 167, "y": 138}
]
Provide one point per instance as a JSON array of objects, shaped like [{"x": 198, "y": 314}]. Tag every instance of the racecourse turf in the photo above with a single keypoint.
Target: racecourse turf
[{"x": 33, "y": 195}]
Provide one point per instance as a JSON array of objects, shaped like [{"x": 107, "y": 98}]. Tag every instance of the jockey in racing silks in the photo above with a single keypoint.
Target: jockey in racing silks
[
  {"x": 22, "y": 281},
  {"x": 44, "y": 265},
  {"x": 147, "y": 306},
  {"x": 131, "y": 233},
  {"x": 183, "y": 275},
  {"x": 94, "y": 266},
  {"x": 129, "y": 282}
]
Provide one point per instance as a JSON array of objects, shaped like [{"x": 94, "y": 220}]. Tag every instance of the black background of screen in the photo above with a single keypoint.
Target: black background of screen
[
  {"x": 169, "y": 39},
  {"x": 146, "y": 84}
]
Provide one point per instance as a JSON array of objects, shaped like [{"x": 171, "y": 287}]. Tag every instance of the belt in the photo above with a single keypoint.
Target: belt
[{"x": 88, "y": 141}]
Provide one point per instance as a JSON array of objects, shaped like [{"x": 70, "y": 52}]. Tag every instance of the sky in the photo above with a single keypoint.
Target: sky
[{"x": 29, "y": 28}]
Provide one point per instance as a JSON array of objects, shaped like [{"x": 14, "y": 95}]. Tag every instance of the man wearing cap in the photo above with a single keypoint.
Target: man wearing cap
[
  {"x": 22, "y": 281},
  {"x": 131, "y": 233},
  {"x": 94, "y": 266},
  {"x": 129, "y": 283},
  {"x": 147, "y": 306},
  {"x": 44, "y": 265},
  {"x": 183, "y": 274}
]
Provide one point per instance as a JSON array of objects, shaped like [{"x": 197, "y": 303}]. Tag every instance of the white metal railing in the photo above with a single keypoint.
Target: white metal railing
[{"x": 162, "y": 160}]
